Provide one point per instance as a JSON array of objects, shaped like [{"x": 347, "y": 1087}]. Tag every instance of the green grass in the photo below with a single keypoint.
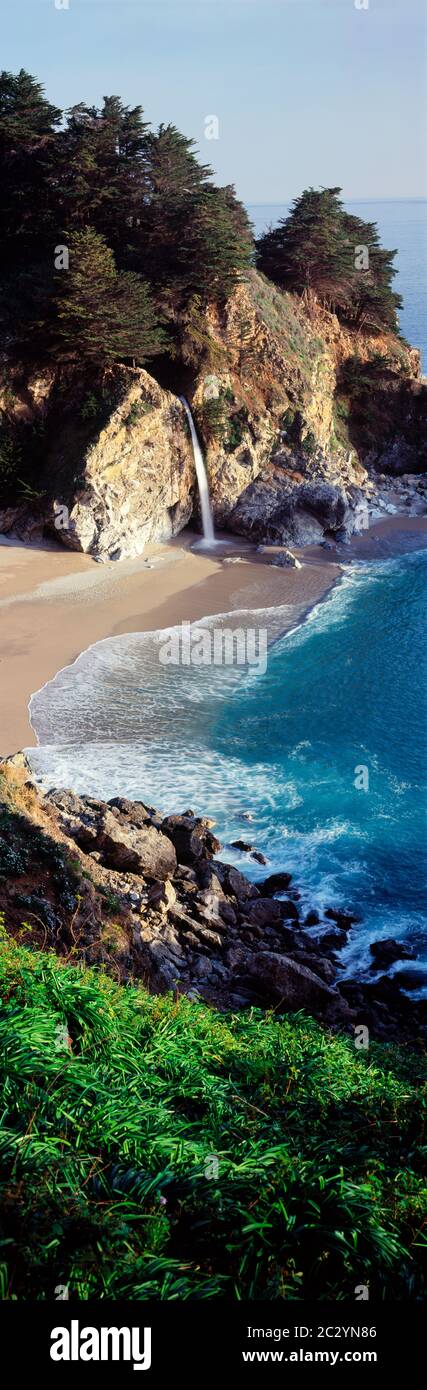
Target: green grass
[{"x": 107, "y": 1150}]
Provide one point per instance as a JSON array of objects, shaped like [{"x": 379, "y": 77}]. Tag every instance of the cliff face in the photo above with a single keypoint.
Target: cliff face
[
  {"x": 137, "y": 474},
  {"x": 296, "y": 413},
  {"x": 293, "y": 412},
  {"x": 118, "y": 466}
]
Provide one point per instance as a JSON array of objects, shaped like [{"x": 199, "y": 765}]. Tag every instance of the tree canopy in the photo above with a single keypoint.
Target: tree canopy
[
  {"x": 321, "y": 248},
  {"x": 103, "y": 314},
  {"x": 154, "y": 234},
  {"x": 143, "y": 214}
]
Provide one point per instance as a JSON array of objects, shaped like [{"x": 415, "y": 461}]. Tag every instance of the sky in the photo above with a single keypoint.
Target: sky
[{"x": 304, "y": 92}]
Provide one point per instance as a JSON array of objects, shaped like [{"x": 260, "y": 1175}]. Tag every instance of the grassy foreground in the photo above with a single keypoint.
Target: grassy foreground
[{"x": 153, "y": 1148}]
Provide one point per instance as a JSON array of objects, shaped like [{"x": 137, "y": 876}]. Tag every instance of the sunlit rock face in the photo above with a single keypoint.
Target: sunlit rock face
[{"x": 297, "y": 417}]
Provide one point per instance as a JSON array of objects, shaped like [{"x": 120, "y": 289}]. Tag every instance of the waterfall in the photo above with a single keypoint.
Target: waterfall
[{"x": 207, "y": 522}]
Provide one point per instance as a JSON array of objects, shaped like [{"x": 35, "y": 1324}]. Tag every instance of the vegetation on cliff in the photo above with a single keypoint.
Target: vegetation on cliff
[
  {"x": 336, "y": 256},
  {"x": 102, "y": 196},
  {"x": 153, "y": 1148},
  {"x": 103, "y": 179},
  {"x": 119, "y": 250}
]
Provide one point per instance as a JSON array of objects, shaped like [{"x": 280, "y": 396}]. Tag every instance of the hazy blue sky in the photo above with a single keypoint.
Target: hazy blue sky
[{"x": 306, "y": 91}]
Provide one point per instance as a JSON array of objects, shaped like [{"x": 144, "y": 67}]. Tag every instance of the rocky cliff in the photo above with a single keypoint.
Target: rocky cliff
[
  {"x": 302, "y": 415},
  {"x": 116, "y": 884},
  {"x": 298, "y": 418}
]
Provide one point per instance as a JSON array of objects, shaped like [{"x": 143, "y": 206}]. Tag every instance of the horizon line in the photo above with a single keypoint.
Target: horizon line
[{"x": 351, "y": 198}]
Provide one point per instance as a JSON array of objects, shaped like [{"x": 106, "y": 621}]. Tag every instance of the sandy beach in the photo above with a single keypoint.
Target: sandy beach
[{"x": 55, "y": 603}]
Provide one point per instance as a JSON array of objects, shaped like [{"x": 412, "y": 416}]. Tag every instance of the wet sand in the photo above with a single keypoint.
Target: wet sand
[{"x": 55, "y": 603}]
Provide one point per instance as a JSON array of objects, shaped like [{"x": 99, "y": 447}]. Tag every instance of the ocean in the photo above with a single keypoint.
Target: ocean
[
  {"x": 326, "y": 750},
  {"x": 402, "y": 223}
]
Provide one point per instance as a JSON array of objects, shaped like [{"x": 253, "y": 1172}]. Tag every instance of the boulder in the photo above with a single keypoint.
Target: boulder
[
  {"x": 263, "y": 911},
  {"x": 342, "y": 919},
  {"x": 135, "y": 811},
  {"x": 119, "y": 834},
  {"x": 139, "y": 850},
  {"x": 162, "y": 896},
  {"x": 234, "y": 883},
  {"x": 319, "y": 965},
  {"x": 329, "y": 938},
  {"x": 280, "y": 556},
  {"x": 389, "y": 950},
  {"x": 324, "y": 501},
  {"x": 288, "y": 910},
  {"x": 284, "y": 981},
  {"x": 275, "y": 883},
  {"x": 192, "y": 838}
]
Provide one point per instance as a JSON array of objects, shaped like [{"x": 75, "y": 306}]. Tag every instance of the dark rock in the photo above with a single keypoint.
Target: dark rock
[
  {"x": 288, "y": 911},
  {"x": 259, "y": 856},
  {"x": 324, "y": 501},
  {"x": 226, "y": 911},
  {"x": 234, "y": 883},
  {"x": 264, "y": 911},
  {"x": 241, "y": 844},
  {"x": 412, "y": 979},
  {"x": 185, "y": 873},
  {"x": 320, "y": 965},
  {"x": 329, "y": 939},
  {"x": 291, "y": 985},
  {"x": 312, "y": 919},
  {"x": 275, "y": 883},
  {"x": 135, "y": 811},
  {"x": 192, "y": 838},
  {"x": 389, "y": 950},
  {"x": 342, "y": 919}
]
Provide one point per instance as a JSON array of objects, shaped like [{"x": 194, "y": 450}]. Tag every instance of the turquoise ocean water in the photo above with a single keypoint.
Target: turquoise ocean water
[{"x": 345, "y": 690}]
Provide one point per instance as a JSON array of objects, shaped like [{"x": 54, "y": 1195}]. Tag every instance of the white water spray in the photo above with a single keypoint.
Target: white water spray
[{"x": 205, "y": 506}]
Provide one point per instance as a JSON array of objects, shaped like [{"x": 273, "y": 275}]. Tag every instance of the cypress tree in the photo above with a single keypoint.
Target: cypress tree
[
  {"x": 102, "y": 162},
  {"x": 28, "y": 130},
  {"x": 103, "y": 315},
  {"x": 315, "y": 248}
]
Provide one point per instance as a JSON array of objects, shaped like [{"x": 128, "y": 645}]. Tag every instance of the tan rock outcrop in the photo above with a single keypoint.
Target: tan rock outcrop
[{"x": 138, "y": 475}]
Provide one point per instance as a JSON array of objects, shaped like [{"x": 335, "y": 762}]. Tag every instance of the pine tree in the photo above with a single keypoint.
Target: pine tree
[
  {"x": 176, "y": 183},
  {"x": 103, "y": 315},
  {"x": 315, "y": 248},
  {"x": 195, "y": 238},
  {"x": 28, "y": 130},
  {"x": 309, "y": 250},
  {"x": 102, "y": 162},
  {"x": 375, "y": 303},
  {"x": 220, "y": 244}
]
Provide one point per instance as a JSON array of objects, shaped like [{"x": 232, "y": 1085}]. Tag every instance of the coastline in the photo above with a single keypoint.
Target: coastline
[{"x": 54, "y": 603}]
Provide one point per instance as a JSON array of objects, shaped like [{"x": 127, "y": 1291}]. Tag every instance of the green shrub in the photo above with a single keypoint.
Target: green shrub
[
  {"x": 309, "y": 445},
  {"x": 237, "y": 428},
  {"x": 136, "y": 412},
  {"x": 91, "y": 408},
  {"x": 10, "y": 456},
  {"x": 212, "y": 419},
  {"x": 167, "y": 1151}
]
